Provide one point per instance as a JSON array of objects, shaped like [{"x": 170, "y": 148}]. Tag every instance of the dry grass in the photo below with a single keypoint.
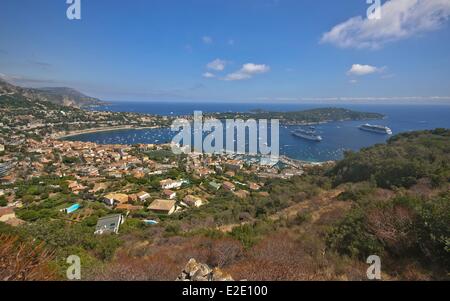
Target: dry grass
[{"x": 22, "y": 261}]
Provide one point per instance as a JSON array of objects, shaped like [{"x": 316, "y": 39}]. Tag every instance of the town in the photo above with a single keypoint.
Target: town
[
  {"x": 141, "y": 211},
  {"x": 72, "y": 179}
]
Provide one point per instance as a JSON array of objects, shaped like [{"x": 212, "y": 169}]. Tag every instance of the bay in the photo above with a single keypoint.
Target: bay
[{"x": 337, "y": 136}]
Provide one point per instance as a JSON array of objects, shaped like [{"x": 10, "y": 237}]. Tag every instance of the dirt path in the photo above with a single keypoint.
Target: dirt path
[
  {"x": 317, "y": 203},
  {"x": 317, "y": 206}
]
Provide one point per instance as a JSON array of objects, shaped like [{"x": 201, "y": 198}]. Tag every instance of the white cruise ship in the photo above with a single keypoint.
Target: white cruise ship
[
  {"x": 308, "y": 135},
  {"x": 376, "y": 129}
]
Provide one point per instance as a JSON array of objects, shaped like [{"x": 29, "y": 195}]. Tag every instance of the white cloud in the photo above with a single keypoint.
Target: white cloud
[
  {"x": 217, "y": 65},
  {"x": 247, "y": 71},
  {"x": 208, "y": 75},
  {"x": 359, "y": 70},
  {"x": 353, "y": 81},
  {"x": 400, "y": 19},
  {"x": 207, "y": 40}
]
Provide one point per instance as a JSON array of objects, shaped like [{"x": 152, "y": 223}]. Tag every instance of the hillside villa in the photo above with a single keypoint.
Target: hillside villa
[
  {"x": 163, "y": 206},
  {"x": 112, "y": 199},
  {"x": 193, "y": 201},
  {"x": 109, "y": 224}
]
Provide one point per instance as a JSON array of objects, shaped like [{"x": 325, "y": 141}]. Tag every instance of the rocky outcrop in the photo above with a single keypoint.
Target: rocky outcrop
[
  {"x": 194, "y": 271},
  {"x": 57, "y": 95}
]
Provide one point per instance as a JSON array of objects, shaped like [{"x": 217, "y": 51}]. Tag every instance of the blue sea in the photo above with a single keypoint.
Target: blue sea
[{"x": 337, "y": 136}]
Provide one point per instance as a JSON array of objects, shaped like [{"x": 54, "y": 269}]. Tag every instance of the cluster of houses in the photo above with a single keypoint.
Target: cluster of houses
[
  {"x": 93, "y": 168},
  {"x": 166, "y": 205},
  {"x": 83, "y": 160}
]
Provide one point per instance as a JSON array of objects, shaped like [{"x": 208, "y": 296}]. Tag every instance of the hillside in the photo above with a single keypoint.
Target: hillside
[
  {"x": 401, "y": 162},
  {"x": 319, "y": 226},
  {"x": 311, "y": 116},
  {"x": 37, "y": 116},
  {"x": 57, "y": 95}
]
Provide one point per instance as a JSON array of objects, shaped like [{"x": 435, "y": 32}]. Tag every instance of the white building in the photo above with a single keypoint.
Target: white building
[
  {"x": 171, "y": 184},
  {"x": 143, "y": 196}
]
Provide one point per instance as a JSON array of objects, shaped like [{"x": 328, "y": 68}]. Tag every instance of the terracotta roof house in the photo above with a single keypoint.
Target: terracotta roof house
[
  {"x": 193, "y": 201},
  {"x": 129, "y": 207},
  {"x": 132, "y": 197},
  {"x": 9, "y": 179},
  {"x": 115, "y": 198},
  {"x": 228, "y": 186},
  {"x": 6, "y": 214},
  {"x": 230, "y": 173},
  {"x": 138, "y": 174},
  {"x": 242, "y": 194},
  {"x": 169, "y": 194},
  {"x": 254, "y": 186},
  {"x": 75, "y": 186},
  {"x": 162, "y": 206},
  {"x": 203, "y": 172}
]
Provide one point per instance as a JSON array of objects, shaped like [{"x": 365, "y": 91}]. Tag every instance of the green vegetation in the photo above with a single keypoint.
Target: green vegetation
[
  {"x": 409, "y": 221},
  {"x": 401, "y": 162},
  {"x": 304, "y": 117},
  {"x": 392, "y": 200},
  {"x": 406, "y": 227},
  {"x": 249, "y": 235}
]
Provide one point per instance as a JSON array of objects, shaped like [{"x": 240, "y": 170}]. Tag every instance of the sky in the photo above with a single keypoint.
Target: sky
[{"x": 231, "y": 50}]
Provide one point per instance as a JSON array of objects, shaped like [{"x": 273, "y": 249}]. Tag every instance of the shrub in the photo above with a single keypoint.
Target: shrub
[
  {"x": 351, "y": 237},
  {"x": 433, "y": 230},
  {"x": 405, "y": 159}
]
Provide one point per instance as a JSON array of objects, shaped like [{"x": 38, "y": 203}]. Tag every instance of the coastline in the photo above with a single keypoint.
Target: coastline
[
  {"x": 288, "y": 159},
  {"x": 288, "y": 155},
  {"x": 283, "y": 158},
  {"x": 99, "y": 130}
]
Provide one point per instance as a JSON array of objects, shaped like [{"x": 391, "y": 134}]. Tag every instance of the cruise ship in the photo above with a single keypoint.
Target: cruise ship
[
  {"x": 308, "y": 135},
  {"x": 376, "y": 129}
]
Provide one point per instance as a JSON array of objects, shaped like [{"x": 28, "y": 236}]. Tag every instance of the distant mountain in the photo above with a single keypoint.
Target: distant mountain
[{"x": 58, "y": 95}]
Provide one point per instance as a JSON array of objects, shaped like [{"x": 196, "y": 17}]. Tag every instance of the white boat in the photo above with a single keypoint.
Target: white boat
[{"x": 376, "y": 129}]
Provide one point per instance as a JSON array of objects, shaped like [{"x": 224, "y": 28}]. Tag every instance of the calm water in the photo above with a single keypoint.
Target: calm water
[{"x": 337, "y": 136}]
